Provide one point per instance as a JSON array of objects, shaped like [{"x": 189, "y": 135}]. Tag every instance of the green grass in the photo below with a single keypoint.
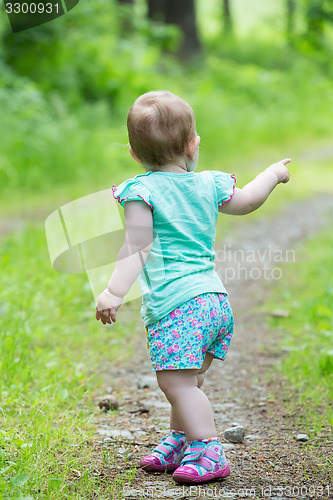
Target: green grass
[
  {"x": 306, "y": 335},
  {"x": 54, "y": 359}
]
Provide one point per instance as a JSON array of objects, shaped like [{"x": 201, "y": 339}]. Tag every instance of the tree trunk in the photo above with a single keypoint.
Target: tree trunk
[
  {"x": 315, "y": 14},
  {"x": 125, "y": 20},
  {"x": 180, "y": 13},
  {"x": 227, "y": 18},
  {"x": 157, "y": 10},
  {"x": 291, "y": 8}
]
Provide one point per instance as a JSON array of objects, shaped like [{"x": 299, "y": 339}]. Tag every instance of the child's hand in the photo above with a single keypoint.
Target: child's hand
[
  {"x": 280, "y": 170},
  {"x": 107, "y": 306}
]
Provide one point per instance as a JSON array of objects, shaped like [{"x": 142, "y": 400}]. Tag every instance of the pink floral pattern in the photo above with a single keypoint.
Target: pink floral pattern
[{"x": 181, "y": 338}]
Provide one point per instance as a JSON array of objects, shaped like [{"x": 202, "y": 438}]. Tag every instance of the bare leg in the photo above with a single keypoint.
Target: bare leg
[
  {"x": 190, "y": 405},
  {"x": 205, "y": 365},
  {"x": 174, "y": 422}
]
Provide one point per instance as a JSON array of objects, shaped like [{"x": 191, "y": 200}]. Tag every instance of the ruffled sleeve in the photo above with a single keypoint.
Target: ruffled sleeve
[
  {"x": 225, "y": 186},
  {"x": 132, "y": 190}
]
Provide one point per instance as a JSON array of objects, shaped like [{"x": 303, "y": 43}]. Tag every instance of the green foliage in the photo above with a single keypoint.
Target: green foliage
[
  {"x": 66, "y": 87},
  {"x": 87, "y": 61},
  {"x": 46, "y": 143},
  {"x": 307, "y": 334},
  {"x": 51, "y": 350},
  {"x": 318, "y": 13},
  {"x": 326, "y": 364}
]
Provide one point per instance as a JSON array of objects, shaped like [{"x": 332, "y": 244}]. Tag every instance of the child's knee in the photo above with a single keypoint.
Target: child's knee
[
  {"x": 162, "y": 381},
  {"x": 167, "y": 383},
  {"x": 173, "y": 381}
]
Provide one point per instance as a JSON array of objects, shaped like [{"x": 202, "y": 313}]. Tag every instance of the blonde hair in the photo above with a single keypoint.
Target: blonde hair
[{"x": 160, "y": 125}]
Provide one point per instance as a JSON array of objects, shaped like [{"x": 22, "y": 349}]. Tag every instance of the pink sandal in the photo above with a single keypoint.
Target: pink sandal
[
  {"x": 168, "y": 454},
  {"x": 203, "y": 461}
]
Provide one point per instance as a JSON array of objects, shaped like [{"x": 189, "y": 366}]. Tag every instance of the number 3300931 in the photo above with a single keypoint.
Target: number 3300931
[{"x": 31, "y": 8}]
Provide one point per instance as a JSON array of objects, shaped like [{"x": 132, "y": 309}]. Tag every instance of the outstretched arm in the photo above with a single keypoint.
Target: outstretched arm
[
  {"x": 130, "y": 261},
  {"x": 255, "y": 193}
]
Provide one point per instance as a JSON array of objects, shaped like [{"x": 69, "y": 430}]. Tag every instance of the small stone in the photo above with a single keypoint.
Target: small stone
[
  {"x": 252, "y": 436},
  {"x": 108, "y": 402},
  {"x": 115, "y": 433},
  {"x": 140, "y": 433},
  {"x": 154, "y": 394},
  {"x": 121, "y": 453},
  {"x": 228, "y": 446},
  {"x": 156, "y": 403},
  {"x": 235, "y": 434},
  {"x": 302, "y": 437},
  {"x": 158, "y": 484},
  {"x": 147, "y": 381},
  {"x": 121, "y": 450},
  {"x": 257, "y": 387},
  {"x": 136, "y": 420},
  {"x": 280, "y": 313}
]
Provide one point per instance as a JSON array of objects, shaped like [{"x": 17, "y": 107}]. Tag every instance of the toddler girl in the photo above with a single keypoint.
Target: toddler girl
[{"x": 170, "y": 214}]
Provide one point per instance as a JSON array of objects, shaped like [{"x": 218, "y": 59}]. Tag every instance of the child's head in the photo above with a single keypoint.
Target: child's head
[{"x": 160, "y": 127}]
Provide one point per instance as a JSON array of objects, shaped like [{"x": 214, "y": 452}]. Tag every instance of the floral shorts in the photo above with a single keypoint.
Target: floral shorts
[{"x": 181, "y": 338}]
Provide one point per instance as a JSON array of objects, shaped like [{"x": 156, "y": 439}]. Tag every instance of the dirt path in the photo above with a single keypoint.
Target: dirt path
[{"x": 270, "y": 463}]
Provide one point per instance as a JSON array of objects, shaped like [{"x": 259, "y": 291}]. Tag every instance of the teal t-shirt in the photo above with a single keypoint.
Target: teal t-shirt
[{"x": 185, "y": 209}]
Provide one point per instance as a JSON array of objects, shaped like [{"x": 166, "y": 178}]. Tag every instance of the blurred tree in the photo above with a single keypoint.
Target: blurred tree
[
  {"x": 126, "y": 20},
  {"x": 291, "y": 9},
  {"x": 227, "y": 18},
  {"x": 156, "y": 10},
  {"x": 318, "y": 13},
  {"x": 180, "y": 13}
]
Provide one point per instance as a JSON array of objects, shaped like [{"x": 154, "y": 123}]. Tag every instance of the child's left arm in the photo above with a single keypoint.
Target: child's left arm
[
  {"x": 255, "y": 193},
  {"x": 130, "y": 261}
]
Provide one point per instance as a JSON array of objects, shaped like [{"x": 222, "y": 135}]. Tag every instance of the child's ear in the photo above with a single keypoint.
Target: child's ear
[
  {"x": 192, "y": 146},
  {"x": 134, "y": 155}
]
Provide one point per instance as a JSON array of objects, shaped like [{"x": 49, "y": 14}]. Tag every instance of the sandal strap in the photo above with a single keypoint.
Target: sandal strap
[
  {"x": 200, "y": 451},
  {"x": 194, "y": 453},
  {"x": 168, "y": 445}
]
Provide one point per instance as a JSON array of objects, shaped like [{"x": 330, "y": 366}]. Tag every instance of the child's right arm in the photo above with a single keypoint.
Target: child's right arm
[{"x": 254, "y": 194}]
